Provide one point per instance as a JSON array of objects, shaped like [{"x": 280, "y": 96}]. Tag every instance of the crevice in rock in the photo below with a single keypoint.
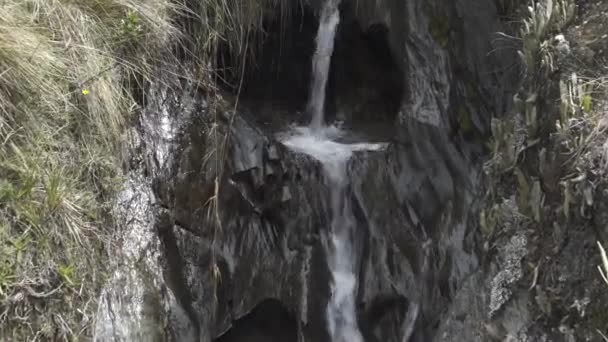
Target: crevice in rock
[
  {"x": 174, "y": 274},
  {"x": 187, "y": 228}
]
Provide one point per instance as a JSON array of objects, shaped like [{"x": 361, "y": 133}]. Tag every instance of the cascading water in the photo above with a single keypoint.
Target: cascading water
[
  {"x": 320, "y": 142},
  {"x": 334, "y": 156},
  {"x": 328, "y": 24}
]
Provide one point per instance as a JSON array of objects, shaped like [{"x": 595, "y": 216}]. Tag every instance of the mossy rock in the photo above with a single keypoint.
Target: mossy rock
[
  {"x": 439, "y": 28},
  {"x": 465, "y": 122}
]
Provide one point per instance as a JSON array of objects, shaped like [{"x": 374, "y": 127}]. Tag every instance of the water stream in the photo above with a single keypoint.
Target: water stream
[
  {"x": 324, "y": 144},
  {"x": 334, "y": 156},
  {"x": 328, "y": 24}
]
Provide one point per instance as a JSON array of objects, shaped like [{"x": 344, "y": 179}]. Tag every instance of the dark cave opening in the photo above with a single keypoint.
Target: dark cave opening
[
  {"x": 366, "y": 82},
  {"x": 269, "y": 321}
]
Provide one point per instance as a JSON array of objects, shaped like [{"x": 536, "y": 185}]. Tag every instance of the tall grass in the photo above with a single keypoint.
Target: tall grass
[{"x": 66, "y": 73}]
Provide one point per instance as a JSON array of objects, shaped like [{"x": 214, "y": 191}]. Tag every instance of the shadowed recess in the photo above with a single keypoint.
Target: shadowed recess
[
  {"x": 270, "y": 321},
  {"x": 277, "y": 74},
  {"x": 365, "y": 84}
]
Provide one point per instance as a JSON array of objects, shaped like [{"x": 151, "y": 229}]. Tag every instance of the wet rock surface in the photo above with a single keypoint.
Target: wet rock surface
[
  {"x": 136, "y": 303},
  {"x": 272, "y": 205},
  {"x": 238, "y": 220}
]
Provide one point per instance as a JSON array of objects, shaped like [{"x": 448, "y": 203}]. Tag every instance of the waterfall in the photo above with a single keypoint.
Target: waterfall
[
  {"x": 328, "y": 24},
  {"x": 334, "y": 157},
  {"x": 341, "y": 313},
  {"x": 323, "y": 144}
]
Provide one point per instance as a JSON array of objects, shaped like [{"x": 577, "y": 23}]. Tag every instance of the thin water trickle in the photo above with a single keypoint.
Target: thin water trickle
[{"x": 328, "y": 25}]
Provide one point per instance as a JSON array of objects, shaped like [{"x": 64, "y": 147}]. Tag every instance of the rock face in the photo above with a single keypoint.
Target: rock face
[
  {"x": 257, "y": 235},
  {"x": 239, "y": 220},
  {"x": 137, "y": 304}
]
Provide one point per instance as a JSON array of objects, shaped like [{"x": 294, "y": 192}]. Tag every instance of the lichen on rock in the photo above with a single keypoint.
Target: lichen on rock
[{"x": 510, "y": 272}]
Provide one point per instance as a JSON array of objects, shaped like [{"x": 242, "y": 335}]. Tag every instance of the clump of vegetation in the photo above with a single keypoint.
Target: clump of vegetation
[
  {"x": 549, "y": 154},
  {"x": 67, "y": 70},
  {"x": 542, "y": 18}
]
